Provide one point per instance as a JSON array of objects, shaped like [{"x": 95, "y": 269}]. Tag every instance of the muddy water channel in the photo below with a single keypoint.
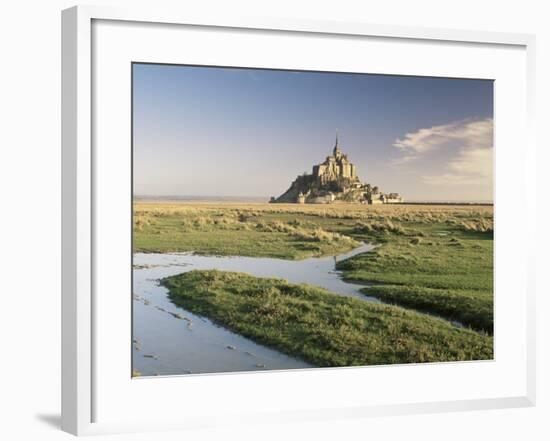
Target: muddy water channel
[{"x": 169, "y": 340}]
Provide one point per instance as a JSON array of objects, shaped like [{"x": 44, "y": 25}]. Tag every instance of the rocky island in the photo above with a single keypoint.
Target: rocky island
[{"x": 334, "y": 180}]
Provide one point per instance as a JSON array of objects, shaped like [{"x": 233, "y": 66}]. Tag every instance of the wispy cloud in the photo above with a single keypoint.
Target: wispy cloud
[{"x": 461, "y": 152}]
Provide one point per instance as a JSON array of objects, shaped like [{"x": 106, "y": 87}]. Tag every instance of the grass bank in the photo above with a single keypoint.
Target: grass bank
[
  {"x": 432, "y": 258},
  {"x": 442, "y": 269},
  {"x": 321, "y": 327},
  {"x": 232, "y": 231}
]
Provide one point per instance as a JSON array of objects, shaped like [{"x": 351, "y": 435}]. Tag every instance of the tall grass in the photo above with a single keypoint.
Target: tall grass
[{"x": 320, "y": 327}]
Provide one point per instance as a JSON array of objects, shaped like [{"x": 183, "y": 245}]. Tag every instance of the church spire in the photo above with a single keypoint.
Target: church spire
[{"x": 336, "y": 150}]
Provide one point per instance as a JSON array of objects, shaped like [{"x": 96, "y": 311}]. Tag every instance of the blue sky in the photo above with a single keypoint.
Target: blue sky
[{"x": 210, "y": 131}]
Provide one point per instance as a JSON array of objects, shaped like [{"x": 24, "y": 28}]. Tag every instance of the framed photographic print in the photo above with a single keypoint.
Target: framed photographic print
[{"x": 292, "y": 220}]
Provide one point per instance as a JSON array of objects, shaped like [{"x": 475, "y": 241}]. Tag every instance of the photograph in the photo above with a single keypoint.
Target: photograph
[{"x": 289, "y": 219}]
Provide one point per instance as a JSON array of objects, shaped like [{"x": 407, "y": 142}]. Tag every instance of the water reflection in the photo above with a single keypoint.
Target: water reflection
[{"x": 169, "y": 340}]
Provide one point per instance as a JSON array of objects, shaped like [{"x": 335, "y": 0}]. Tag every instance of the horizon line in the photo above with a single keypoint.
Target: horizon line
[{"x": 236, "y": 198}]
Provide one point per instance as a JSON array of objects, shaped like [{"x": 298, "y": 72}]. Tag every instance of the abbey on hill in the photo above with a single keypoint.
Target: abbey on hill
[{"x": 334, "y": 180}]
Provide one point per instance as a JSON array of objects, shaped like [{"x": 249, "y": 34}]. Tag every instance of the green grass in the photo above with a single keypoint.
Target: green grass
[
  {"x": 320, "y": 327},
  {"x": 449, "y": 275},
  {"x": 234, "y": 233},
  {"x": 432, "y": 258}
]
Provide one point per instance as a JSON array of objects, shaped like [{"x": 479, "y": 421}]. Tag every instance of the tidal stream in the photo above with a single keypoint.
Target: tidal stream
[{"x": 169, "y": 340}]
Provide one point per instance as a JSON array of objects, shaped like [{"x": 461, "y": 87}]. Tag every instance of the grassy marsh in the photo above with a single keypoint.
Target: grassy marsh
[
  {"x": 233, "y": 230},
  {"x": 436, "y": 259},
  {"x": 320, "y": 327}
]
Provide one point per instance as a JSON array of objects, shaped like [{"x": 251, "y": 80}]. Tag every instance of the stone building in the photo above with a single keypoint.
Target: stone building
[
  {"x": 333, "y": 180},
  {"x": 337, "y": 166}
]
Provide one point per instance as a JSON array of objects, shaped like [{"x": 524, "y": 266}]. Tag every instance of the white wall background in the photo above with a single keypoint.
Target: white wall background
[{"x": 30, "y": 217}]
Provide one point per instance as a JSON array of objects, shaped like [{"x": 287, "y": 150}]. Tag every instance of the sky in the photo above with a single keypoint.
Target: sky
[{"x": 230, "y": 132}]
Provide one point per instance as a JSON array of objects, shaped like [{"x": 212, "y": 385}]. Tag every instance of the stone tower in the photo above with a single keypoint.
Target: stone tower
[{"x": 336, "y": 152}]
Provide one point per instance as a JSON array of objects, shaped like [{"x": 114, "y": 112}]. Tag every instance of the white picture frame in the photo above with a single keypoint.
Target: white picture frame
[{"x": 81, "y": 380}]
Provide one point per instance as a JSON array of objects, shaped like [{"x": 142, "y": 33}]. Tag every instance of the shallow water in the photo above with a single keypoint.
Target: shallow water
[{"x": 169, "y": 340}]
